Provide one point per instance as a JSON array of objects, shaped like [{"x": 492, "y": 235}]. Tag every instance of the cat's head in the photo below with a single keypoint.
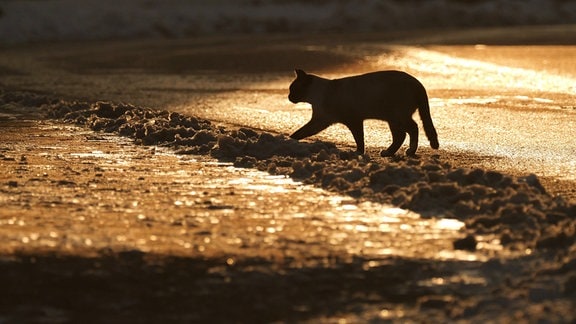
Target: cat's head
[{"x": 299, "y": 87}]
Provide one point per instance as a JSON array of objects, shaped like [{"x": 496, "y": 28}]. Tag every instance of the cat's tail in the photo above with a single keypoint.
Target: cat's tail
[{"x": 424, "y": 111}]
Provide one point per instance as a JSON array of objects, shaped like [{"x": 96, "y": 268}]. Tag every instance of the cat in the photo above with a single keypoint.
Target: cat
[{"x": 392, "y": 96}]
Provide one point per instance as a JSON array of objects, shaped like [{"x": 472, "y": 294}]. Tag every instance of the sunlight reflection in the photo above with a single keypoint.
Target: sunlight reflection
[
  {"x": 472, "y": 74},
  {"x": 449, "y": 224},
  {"x": 463, "y": 278},
  {"x": 358, "y": 227}
]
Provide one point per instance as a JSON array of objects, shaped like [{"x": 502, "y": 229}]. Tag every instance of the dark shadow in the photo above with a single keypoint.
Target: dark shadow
[
  {"x": 232, "y": 55},
  {"x": 132, "y": 286}
]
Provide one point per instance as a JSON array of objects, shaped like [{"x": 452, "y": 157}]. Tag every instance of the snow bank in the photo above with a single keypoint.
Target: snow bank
[{"x": 61, "y": 20}]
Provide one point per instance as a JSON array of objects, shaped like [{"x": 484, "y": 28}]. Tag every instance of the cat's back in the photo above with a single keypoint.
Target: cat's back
[
  {"x": 380, "y": 83},
  {"x": 387, "y": 76}
]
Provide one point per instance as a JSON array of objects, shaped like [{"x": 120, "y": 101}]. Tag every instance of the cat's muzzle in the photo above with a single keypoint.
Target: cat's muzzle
[{"x": 293, "y": 99}]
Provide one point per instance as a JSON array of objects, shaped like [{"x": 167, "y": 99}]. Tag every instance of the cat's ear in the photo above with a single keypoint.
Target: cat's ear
[{"x": 299, "y": 73}]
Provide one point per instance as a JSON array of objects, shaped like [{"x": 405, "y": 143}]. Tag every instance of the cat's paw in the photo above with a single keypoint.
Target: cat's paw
[
  {"x": 411, "y": 152},
  {"x": 386, "y": 153}
]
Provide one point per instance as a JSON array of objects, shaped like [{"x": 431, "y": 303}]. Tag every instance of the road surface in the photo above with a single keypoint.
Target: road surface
[{"x": 96, "y": 228}]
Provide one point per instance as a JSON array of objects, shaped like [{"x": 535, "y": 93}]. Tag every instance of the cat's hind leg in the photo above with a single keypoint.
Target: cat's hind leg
[
  {"x": 398, "y": 137},
  {"x": 412, "y": 129}
]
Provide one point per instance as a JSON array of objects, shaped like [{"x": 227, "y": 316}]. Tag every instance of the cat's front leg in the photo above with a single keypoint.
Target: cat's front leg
[
  {"x": 313, "y": 127},
  {"x": 357, "y": 129}
]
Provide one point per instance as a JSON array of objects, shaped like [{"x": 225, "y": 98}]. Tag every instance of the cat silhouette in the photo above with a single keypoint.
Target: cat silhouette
[{"x": 392, "y": 96}]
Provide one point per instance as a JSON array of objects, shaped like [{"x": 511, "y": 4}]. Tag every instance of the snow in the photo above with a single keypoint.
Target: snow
[{"x": 62, "y": 20}]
